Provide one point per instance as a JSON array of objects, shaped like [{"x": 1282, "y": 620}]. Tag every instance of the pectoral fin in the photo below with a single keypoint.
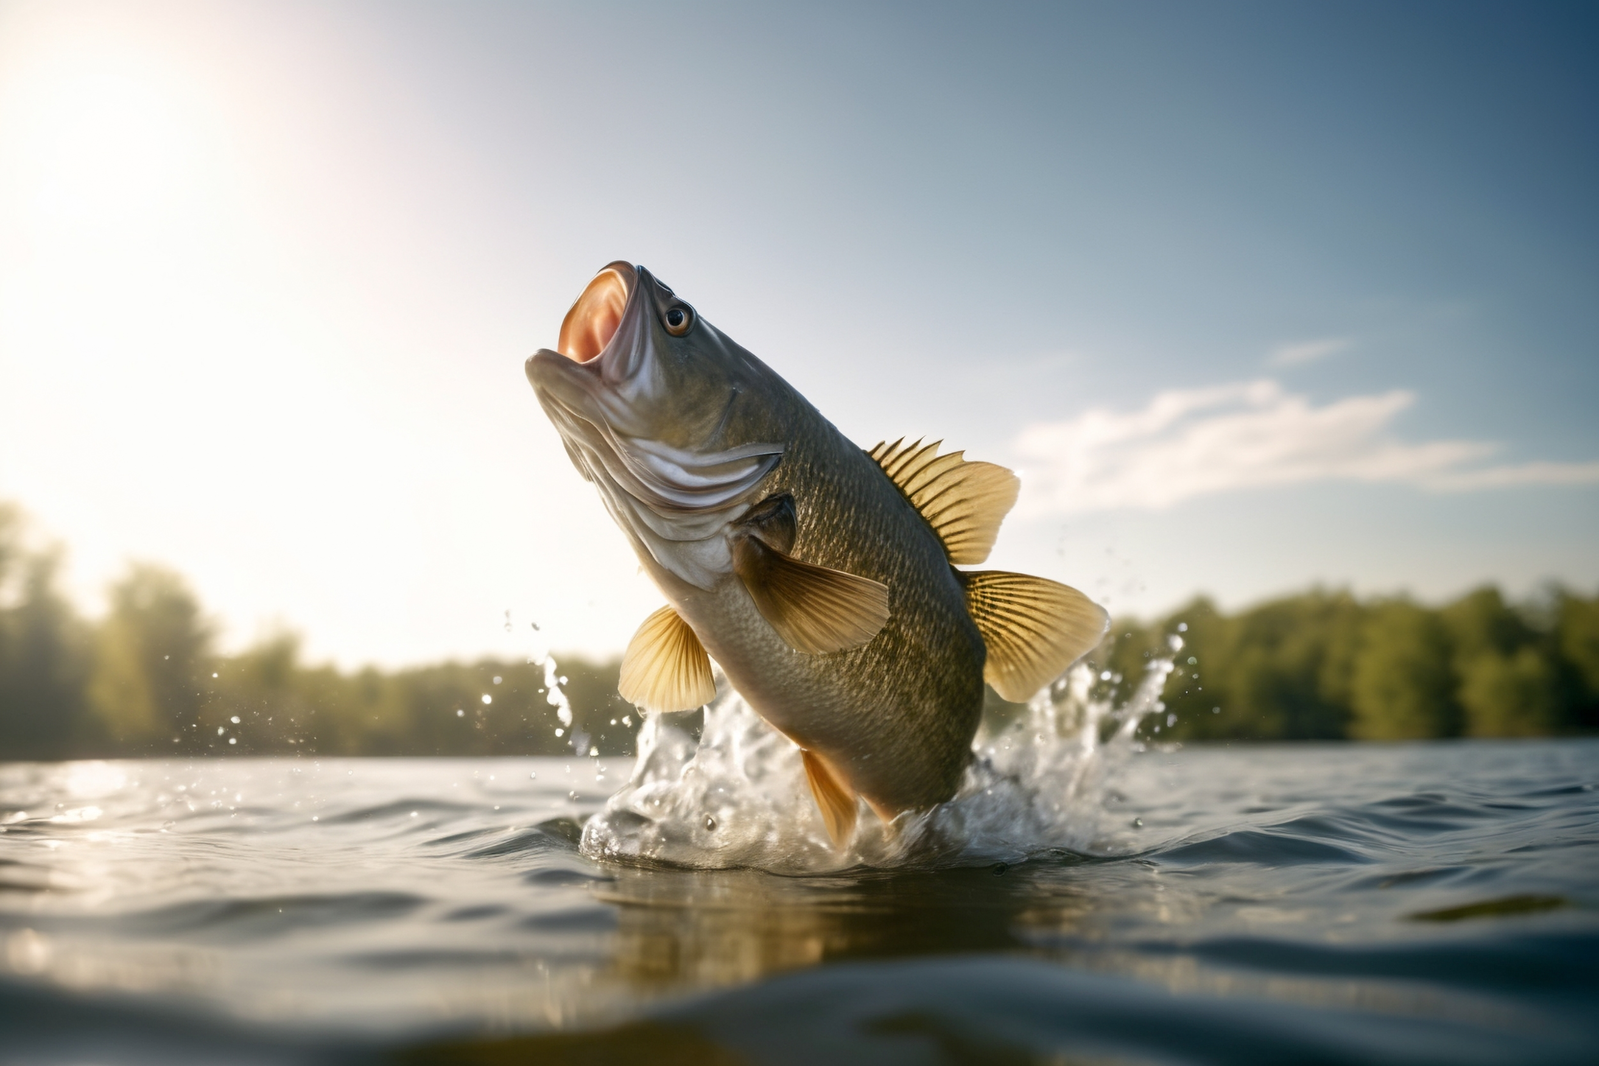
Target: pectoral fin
[
  {"x": 665, "y": 667},
  {"x": 814, "y": 609},
  {"x": 837, "y": 803},
  {"x": 1034, "y": 628}
]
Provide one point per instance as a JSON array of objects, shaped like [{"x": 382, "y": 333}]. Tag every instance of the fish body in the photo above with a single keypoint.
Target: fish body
[{"x": 817, "y": 575}]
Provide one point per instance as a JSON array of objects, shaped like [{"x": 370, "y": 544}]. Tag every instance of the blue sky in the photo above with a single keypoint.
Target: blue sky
[{"x": 1253, "y": 295}]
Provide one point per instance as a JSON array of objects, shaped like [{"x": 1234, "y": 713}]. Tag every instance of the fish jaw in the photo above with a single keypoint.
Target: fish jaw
[{"x": 638, "y": 411}]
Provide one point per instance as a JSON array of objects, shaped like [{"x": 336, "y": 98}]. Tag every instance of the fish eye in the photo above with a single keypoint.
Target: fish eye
[{"x": 679, "y": 319}]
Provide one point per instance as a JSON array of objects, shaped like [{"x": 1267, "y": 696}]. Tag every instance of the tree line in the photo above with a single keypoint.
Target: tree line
[
  {"x": 147, "y": 679},
  {"x": 1324, "y": 665}
]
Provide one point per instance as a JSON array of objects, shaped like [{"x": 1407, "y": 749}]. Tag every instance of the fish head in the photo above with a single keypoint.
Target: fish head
[{"x": 674, "y": 423}]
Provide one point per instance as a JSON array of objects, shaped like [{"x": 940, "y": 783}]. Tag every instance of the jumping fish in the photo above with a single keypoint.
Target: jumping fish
[{"x": 821, "y": 577}]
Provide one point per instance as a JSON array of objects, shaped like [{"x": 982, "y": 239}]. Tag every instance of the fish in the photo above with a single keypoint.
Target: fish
[{"x": 825, "y": 579}]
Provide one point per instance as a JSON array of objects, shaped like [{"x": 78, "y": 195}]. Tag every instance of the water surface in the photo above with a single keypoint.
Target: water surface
[{"x": 1311, "y": 903}]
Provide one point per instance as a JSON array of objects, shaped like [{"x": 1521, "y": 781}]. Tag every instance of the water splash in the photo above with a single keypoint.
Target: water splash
[
  {"x": 737, "y": 796},
  {"x": 554, "y": 688}
]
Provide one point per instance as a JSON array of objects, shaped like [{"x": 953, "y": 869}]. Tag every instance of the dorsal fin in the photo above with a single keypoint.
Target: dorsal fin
[
  {"x": 665, "y": 667},
  {"x": 963, "y": 501},
  {"x": 1034, "y": 628}
]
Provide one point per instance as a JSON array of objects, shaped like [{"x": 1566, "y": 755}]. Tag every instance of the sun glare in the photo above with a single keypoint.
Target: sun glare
[{"x": 102, "y": 140}]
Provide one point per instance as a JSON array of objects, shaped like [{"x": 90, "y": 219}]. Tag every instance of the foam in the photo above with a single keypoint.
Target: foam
[{"x": 737, "y": 795}]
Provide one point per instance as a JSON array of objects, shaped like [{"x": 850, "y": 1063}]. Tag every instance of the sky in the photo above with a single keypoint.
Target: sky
[{"x": 1253, "y": 296}]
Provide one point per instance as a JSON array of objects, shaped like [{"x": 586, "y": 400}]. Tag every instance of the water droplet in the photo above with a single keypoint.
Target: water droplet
[
  {"x": 572, "y": 795},
  {"x": 559, "y": 731},
  {"x": 487, "y": 699},
  {"x": 413, "y": 814},
  {"x": 533, "y": 775},
  {"x": 498, "y": 679},
  {"x": 234, "y": 719},
  {"x": 233, "y": 740},
  {"x": 710, "y": 823},
  {"x": 1138, "y": 823},
  {"x": 1182, "y": 627},
  {"x": 460, "y": 713}
]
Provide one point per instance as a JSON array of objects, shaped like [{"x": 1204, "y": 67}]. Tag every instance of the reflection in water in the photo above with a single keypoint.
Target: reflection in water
[{"x": 703, "y": 929}]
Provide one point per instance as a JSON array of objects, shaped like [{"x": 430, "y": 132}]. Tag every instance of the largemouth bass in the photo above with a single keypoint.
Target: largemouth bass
[{"x": 821, "y": 577}]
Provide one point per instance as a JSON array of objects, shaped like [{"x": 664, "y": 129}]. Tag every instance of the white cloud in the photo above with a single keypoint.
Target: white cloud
[
  {"x": 1197, "y": 442},
  {"x": 1306, "y": 351}
]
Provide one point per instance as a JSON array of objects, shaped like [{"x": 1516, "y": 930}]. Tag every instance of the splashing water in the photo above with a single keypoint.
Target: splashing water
[
  {"x": 738, "y": 796},
  {"x": 554, "y": 690}
]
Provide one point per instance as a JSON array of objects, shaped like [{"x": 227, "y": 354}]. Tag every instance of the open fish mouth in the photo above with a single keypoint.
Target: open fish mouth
[
  {"x": 593, "y": 321},
  {"x": 603, "y": 389}
]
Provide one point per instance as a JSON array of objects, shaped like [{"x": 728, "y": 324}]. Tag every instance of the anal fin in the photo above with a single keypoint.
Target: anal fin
[
  {"x": 837, "y": 803},
  {"x": 814, "y": 609},
  {"x": 665, "y": 667},
  {"x": 1033, "y": 628}
]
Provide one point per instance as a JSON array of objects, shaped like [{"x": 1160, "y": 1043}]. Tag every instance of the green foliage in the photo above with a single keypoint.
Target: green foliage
[
  {"x": 1576, "y": 636},
  {"x": 152, "y": 658},
  {"x": 1403, "y": 683},
  {"x": 44, "y": 653},
  {"x": 1508, "y": 671},
  {"x": 146, "y": 679},
  {"x": 1322, "y": 665},
  {"x": 1280, "y": 671}
]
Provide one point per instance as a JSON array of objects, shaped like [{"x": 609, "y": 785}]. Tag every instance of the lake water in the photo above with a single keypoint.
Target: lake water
[{"x": 1426, "y": 903}]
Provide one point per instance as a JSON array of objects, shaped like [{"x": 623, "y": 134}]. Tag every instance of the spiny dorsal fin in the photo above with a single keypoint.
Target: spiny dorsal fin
[
  {"x": 1034, "y": 628},
  {"x": 963, "y": 501},
  {"x": 836, "y": 802},
  {"x": 813, "y": 608},
  {"x": 665, "y": 667}
]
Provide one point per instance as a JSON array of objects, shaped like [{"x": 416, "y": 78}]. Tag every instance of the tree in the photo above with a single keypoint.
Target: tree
[
  {"x": 43, "y": 653},
  {"x": 1577, "y": 638},
  {"x": 1513, "y": 695},
  {"x": 152, "y": 659},
  {"x": 1506, "y": 682},
  {"x": 1403, "y": 684}
]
